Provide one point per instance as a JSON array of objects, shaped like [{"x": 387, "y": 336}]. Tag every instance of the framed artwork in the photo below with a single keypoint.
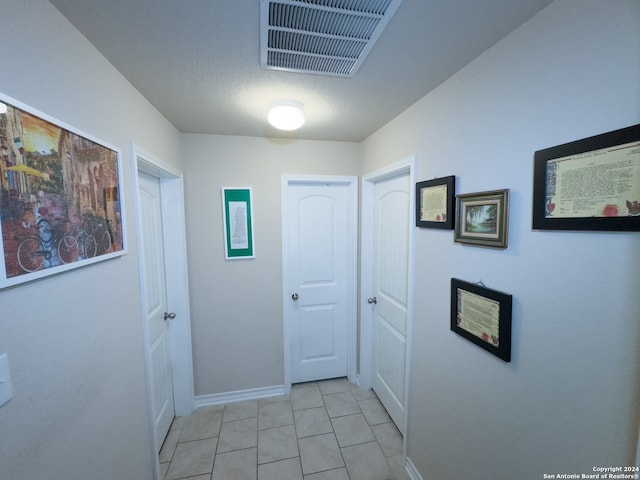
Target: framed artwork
[
  {"x": 60, "y": 196},
  {"x": 435, "y": 203},
  {"x": 483, "y": 218},
  {"x": 589, "y": 184},
  {"x": 482, "y": 316},
  {"x": 238, "y": 223}
]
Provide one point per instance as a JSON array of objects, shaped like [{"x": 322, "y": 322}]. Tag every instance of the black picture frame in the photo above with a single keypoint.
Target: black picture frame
[
  {"x": 445, "y": 188},
  {"x": 482, "y": 316},
  {"x": 602, "y": 159}
]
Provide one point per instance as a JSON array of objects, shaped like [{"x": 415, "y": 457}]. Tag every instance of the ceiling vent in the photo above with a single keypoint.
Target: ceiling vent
[{"x": 326, "y": 37}]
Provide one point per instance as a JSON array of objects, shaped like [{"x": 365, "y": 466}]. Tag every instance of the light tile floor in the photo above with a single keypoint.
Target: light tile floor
[{"x": 329, "y": 430}]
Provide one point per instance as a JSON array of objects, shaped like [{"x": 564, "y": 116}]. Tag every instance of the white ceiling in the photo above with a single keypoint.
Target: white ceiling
[{"x": 198, "y": 61}]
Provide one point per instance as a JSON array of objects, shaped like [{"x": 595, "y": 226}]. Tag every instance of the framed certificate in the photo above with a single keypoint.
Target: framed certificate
[
  {"x": 589, "y": 184},
  {"x": 482, "y": 316},
  {"x": 435, "y": 203}
]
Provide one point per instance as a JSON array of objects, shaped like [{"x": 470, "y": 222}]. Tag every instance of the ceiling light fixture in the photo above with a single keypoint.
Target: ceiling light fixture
[{"x": 286, "y": 115}]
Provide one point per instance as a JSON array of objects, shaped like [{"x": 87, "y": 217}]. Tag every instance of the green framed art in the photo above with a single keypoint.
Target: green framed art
[{"x": 237, "y": 217}]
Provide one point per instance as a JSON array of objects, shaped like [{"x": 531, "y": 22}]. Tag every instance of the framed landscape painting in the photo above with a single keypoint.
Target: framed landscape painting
[{"x": 483, "y": 218}]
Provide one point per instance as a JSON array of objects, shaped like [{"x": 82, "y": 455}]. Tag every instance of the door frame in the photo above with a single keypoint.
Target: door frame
[
  {"x": 352, "y": 272},
  {"x": 407, "y": 166},
  {"x": 173, "y": 220}
]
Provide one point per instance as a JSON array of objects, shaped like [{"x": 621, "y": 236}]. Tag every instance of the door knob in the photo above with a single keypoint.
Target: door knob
[
  {"x": 169, "y": 316},
  {"x": 294, "y": 297},
  {"x": 372, "y": 300}
]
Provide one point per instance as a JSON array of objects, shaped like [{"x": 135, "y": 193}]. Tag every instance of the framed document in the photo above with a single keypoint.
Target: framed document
[
  {"x": 434, "y": 203},
  {"x": 238, "y": 223},
  {"x": 482, "y": 218},
  {"x": 589, "y": 184},
  {"x": 482, "y": 316}
]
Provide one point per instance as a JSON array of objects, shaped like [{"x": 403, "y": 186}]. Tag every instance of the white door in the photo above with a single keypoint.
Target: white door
[
  {"x": 156, "y": 300},
  {"x": 318, "y": 237},
  {"x": 390, "y": 286}
]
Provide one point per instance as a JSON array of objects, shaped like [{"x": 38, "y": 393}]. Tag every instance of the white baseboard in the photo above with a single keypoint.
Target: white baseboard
[
  {"x": 238, "y": 396},
  {"x": 411, "y": 470}
]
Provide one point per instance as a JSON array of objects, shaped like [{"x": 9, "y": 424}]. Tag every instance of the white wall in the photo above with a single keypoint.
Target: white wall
[
  {"x": 568, "y": 401},
  {"x": 74, "y": 340},
  {"x": 236, "y": 305}
]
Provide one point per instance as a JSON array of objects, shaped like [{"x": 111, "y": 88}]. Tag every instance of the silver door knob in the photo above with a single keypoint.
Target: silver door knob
[
  {"x": 294, "y": 297},
  {"x": 372, "y": 300},
  {"x": 169, "y": 316}
]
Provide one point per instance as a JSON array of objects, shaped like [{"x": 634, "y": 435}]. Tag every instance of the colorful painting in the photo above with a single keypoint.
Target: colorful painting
[{"x": 60, "y": 197}]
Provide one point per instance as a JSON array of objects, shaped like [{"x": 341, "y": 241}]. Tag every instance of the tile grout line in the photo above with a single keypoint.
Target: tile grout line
[
  {"x": 329, "y": 391},
  {"x": 333, "y": 428}
]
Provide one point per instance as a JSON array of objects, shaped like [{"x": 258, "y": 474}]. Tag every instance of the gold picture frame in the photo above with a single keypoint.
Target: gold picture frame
[{"x": 483, "y": 218}]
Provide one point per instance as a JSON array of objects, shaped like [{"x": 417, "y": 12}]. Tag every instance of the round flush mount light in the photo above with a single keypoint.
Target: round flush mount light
[
  {"x": 286, "y": 115},
  {"x": 3, "y": 108}
]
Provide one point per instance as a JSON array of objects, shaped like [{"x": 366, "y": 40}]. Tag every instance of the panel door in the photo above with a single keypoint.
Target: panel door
[
  {"x": 156, "y": 300},
  {"x": 318, "y": 263},
  {"x": 391, "y": 275}
]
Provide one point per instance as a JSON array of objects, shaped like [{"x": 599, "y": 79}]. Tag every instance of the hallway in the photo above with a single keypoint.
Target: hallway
[{"x": 329, "y": 430}]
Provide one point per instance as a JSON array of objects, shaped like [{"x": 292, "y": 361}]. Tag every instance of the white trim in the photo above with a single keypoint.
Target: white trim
[
  {"x": 239, "y": 396},
  {"x": 366, "y": 275},
  {"x": 411, "y": 470},
  {"x": 284, "y": 184},
  {"x": 638, "y": 449},
  {"x": 352, "y": 289},
  {"x": 366, "y": 285},
  {"x": 172, "y": 191}
]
